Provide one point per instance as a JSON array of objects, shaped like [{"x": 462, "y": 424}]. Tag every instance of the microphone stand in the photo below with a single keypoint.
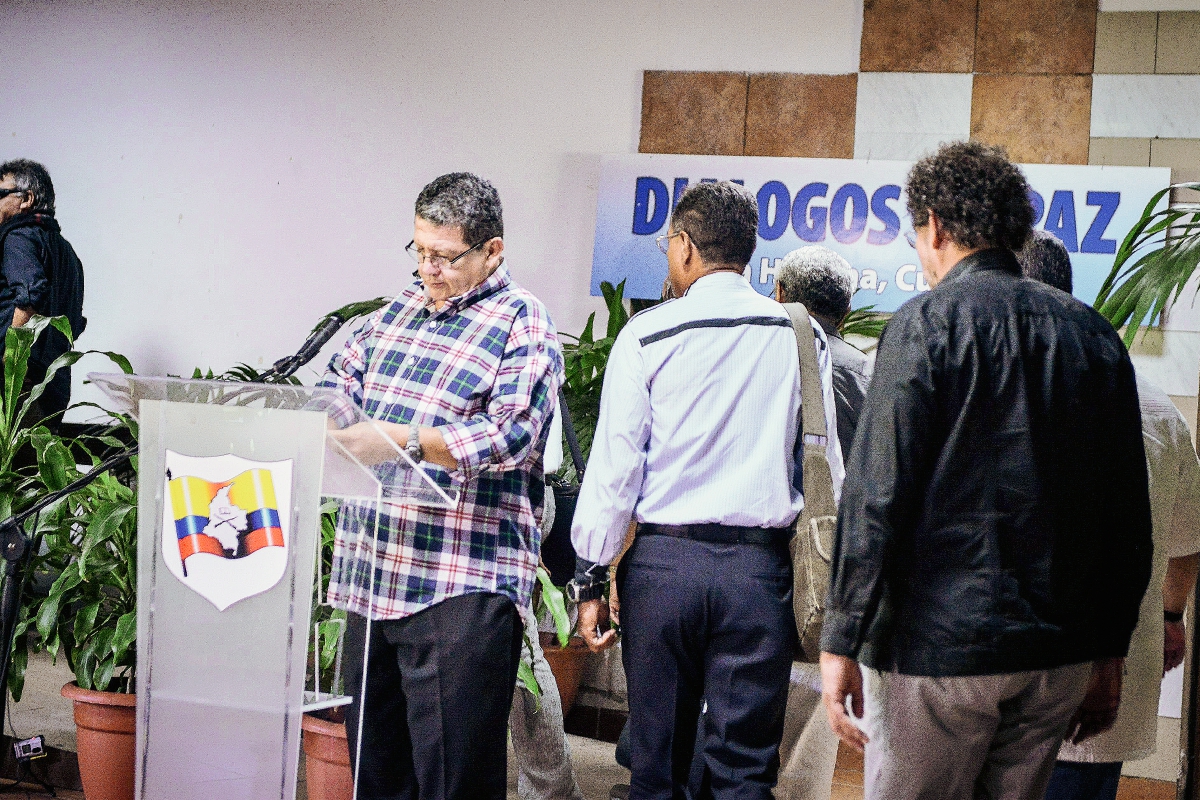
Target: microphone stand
[{"x": 16, "y": 547}]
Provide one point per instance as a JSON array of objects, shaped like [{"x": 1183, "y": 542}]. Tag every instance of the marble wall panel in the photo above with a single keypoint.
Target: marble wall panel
[
  {"x": 906, "y": 115},
  {"x": 1178, "y": 42},
  {"x": 1036, "y": 36},
  {"x": 806, "y": 116},
  {"x": 700, "y": 113},
  {"x": 1183, "y": 157},
  {"x": 1119, "y": 152},
  {"x": 897, "y": 36},
  {"x": 1125, "y": 42},
  {"x": 1041, "y": 119},
  {"x": 1166, "y": 106}
]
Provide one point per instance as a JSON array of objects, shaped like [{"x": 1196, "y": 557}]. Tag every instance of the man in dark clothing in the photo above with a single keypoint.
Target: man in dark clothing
[
  {"x": 824, "y": 282},
  {"x": 994, "y": 535},
  {"x": 39, "y": 274}
]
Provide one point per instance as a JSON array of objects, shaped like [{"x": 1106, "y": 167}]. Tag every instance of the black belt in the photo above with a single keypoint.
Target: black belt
[{"x": 719, "y": 534}]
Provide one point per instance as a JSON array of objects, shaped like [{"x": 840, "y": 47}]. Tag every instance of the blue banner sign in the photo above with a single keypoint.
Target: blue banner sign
[{"x": 856, "y": 208}]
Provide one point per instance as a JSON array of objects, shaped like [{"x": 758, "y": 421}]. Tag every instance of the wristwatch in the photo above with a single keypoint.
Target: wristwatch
[
  {"x": 582, "y": 594},
  {"x": 413, "y": 448}
]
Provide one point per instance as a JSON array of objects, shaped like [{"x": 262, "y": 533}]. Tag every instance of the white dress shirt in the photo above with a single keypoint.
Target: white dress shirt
[{"x": 698, "y": 419}]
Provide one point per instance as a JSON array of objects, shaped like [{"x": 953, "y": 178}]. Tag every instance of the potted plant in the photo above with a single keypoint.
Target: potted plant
[
  {"x": 565, "y": 652},
  {"x": 326, "y": 754},
  {"x": 87, "y": 540}
]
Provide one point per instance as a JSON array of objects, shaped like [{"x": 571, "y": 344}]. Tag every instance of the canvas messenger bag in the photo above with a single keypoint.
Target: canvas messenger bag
[{"x": 812, "y": 544}]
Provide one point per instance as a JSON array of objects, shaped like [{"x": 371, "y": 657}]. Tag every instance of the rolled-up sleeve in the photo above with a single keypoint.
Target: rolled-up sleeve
[
  {"x": 519, "y": 405},
  {"x": 22, "y": 268}
]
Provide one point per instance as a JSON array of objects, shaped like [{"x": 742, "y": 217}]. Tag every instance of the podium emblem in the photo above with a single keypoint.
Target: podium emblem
[{"x": 226, "y": 528}]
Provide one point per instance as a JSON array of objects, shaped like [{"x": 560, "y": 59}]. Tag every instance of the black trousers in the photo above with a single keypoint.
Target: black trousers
[
  {"x": 707, "y": 622},
  {"x": 439, "y": 688}
]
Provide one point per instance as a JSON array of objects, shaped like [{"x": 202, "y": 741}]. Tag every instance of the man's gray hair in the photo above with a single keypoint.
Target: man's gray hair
[
  {"x": 817, "y": 277},
  {"x": 1045, "y": 258},
  {"x": 32, "y": 178},
  {"x": 465, "y": 201}
]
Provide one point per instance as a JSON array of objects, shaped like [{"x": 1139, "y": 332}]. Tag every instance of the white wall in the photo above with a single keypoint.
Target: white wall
[{"x": 229, "y": 172}]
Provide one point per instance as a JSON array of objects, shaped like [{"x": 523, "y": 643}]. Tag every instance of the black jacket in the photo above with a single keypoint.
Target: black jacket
[
  {"x": 39, "y": 270},
  {"x": 851, "y": 377},
  {"x": 995, "y": 516}
]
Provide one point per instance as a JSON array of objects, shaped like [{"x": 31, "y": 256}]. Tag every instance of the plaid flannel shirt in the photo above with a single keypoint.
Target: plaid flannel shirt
[{"x": 484, "y": 370}]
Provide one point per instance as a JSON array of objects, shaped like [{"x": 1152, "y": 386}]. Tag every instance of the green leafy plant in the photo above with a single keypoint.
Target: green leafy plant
[
  {"x": 548, "y": 599},
  {"x": 1156, "y": 259},
  {"x": 84, "y": 541},
  {"x": 865, "y": 321},
  {"x": 585, "y": 359},
  {"x": 328, "y": 622}
]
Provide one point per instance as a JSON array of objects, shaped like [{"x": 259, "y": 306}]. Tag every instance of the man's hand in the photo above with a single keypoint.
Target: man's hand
[
  {"x": 840, "y": 677},
  {"x": 1174, "y": 637},
  {"x": 364, "y": 443},
  {"x": 1098, "y": 711},
  {"x": 593, "y": 625}
]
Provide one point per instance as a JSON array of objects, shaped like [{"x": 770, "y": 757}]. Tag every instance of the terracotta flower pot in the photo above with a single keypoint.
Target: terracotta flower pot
[
  {"x": 567, "y": 665},
  {"x": 105, "y": 723},
  {"x": 326, "y": 760}
]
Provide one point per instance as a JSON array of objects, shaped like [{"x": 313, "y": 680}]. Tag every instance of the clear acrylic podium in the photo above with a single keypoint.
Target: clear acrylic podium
[{"x": 232, "y": 478}]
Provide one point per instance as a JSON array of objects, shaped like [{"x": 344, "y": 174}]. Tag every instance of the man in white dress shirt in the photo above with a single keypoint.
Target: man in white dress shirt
[{"x": 697, "y": 441}]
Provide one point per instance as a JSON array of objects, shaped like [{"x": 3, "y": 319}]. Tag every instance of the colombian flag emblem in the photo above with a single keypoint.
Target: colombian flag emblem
[
  {"x": 225, "y": 527},
  {"x": 231, "y": 519}
]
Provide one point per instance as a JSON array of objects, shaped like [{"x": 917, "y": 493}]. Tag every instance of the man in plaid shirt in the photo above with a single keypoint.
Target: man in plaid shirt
[{"x": 461, "y": 371}]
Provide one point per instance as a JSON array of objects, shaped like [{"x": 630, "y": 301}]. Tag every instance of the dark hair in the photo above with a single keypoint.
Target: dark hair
[
  {"x": 1045, "y": 258},
  {"x": 31, "y": 177},
  {"x": 979, "y": 196},
  {"x": 465, "y": 201},
  {"x": 721, "y": 219},
  {"x": 817, "y": 277}
]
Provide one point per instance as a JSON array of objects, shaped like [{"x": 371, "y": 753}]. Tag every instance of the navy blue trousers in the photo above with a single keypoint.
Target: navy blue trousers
[
  {"x": 706, "y": 622},
  {"x": 1073, "y": 780}
]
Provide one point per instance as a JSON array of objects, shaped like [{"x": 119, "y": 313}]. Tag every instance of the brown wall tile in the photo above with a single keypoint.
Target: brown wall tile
[
  {"x": 1178, "y": 42},
  {"x": 1040, "y": 119},
  {"x": 693, "y": 112},
  {"x": 1114, "y": 152},
  {"x": 807, "y": 116},
  {"x": 1125, "y": 42},
  {"x": 1183, "y": 157},
  {"x": 897, "y": 36},
  {"x": 1036, "y": 36}
]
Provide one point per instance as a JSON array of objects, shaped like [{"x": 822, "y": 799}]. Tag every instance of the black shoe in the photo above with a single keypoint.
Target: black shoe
[{"x": 619, "y": 792}]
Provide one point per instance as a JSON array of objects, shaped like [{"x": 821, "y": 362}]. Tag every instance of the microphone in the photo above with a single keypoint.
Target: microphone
[
  {"x": 318, "y": 338},
  {"x": 284, "y": 367}
]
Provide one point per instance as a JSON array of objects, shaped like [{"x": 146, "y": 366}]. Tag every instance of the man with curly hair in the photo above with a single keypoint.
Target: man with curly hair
[{"x": 994, "y": 535}]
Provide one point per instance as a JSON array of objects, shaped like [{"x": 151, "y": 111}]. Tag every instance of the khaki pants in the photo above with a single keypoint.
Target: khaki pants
[
  {"x": 808, "y": 751},
  {"x": 984, "y": 736}
]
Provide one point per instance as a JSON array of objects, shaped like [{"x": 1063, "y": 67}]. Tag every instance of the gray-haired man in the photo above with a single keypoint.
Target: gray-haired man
[{"x": 824, "y": 282}]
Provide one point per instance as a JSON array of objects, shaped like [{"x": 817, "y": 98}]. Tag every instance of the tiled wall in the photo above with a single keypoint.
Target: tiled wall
[{"x": 1054, "y": 81}]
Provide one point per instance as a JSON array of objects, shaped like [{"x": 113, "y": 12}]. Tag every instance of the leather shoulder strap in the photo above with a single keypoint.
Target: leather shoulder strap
[{"x": 812, "y": 399}]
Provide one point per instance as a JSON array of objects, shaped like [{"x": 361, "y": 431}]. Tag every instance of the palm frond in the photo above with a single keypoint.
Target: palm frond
[
  {"x": 1155, "y": 261},
  {"x": 864, "y": 321}
]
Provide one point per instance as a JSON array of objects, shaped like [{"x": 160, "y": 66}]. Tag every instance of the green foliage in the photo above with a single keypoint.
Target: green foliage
[
  {"x": 85, "y": 542},
  {"x": 864, "y": 321},
  {"x": 552, "y": 598},
  {"x": 329, "y": 622},
  {"x": 1155, "y": 260},
  {"x": 351, "y": 311},
  {"x": 585, "y": 359},
  {"x": 239, "y": 373}
]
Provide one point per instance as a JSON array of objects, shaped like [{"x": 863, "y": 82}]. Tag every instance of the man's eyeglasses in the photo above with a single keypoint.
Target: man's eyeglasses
[
  {"x": 6, "y": 192},
  {"x": 440, "y": 262},
  {"x": 911, "y": 238},
  {"x": 664, "y": 241}
]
